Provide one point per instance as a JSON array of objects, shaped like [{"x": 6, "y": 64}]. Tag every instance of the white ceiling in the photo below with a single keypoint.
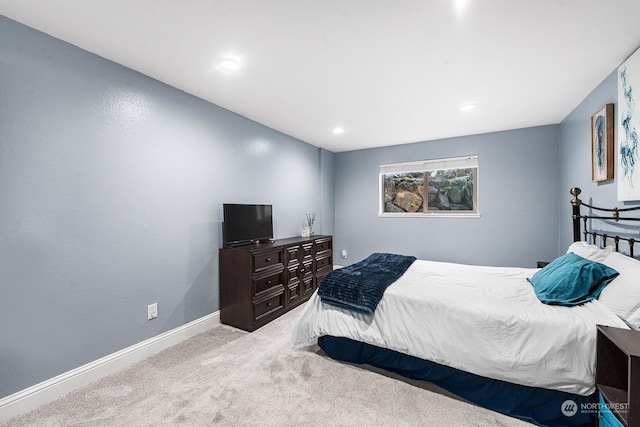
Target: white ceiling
[{"x": 388, "y": 71}]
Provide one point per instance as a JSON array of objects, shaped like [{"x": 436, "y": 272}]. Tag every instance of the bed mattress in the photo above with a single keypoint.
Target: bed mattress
[{"x": 483, "y": 320}]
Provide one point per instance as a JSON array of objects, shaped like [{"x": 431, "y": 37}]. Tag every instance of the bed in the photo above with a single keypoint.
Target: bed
[{"x": 483, "y": 332}]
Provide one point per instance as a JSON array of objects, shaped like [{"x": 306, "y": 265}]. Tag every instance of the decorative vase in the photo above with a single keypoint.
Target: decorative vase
[{"x": 307, "y": 225}]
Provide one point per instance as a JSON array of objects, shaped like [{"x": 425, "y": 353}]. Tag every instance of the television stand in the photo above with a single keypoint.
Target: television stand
[{"x": 262, "y": 281}]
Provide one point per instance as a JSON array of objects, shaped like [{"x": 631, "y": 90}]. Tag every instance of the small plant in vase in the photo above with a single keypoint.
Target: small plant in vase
[{"x": 307, "y": 228}]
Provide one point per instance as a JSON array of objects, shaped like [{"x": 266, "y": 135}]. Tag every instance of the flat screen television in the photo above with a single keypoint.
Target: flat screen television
[{"x": 246, "y": 224}]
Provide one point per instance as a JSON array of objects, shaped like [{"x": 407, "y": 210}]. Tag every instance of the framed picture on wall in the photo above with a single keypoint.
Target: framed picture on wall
[
  {"x": 602, "y": 144},
  {"x": 628, "y": 129}
]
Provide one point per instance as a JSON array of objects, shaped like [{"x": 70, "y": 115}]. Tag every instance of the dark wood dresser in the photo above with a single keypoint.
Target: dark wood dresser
[{"x": 260, "y": 282}]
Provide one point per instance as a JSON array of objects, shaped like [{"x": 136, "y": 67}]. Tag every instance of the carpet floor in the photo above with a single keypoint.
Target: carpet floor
[{"x": 228, "y": 377}]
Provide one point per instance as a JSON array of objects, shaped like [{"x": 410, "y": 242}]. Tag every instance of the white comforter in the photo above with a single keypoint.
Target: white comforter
[{"x": 483, "y": 320}]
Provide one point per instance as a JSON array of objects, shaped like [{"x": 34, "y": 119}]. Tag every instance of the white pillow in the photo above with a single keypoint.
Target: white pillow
[
  {"x": 590, "y": 252},
  {"x": 622, "y": 294}
]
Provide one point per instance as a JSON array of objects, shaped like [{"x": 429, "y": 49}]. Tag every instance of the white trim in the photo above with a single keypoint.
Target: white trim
[
  {"x": 51, "y": 389},
  {"x": 427, "y": 215},
  {"x": 431, "y": 165}
]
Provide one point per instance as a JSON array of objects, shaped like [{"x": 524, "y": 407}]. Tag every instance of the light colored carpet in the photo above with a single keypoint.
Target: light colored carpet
[{"x": 228, "y": 377}]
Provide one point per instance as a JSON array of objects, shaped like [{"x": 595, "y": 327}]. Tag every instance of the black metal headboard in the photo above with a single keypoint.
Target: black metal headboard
[{"x": 613, "y": 214}]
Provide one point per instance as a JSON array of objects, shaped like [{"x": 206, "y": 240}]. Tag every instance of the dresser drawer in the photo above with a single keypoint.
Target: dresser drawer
[
  {"x": 323, "y": 262},
  {"x": 323, "y": 245},
  {"x": 267, "y": 283},
  {"x": 298, "y": 254},
  {"x": 265, "y": 260},
  {"x": 267, "y": 306},
  {"x": 321, "y": 272},
  {"x": 307, "y": 252}
]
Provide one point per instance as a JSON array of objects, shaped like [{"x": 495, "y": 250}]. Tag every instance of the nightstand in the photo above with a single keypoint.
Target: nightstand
[{"x": 618, "y": 373}]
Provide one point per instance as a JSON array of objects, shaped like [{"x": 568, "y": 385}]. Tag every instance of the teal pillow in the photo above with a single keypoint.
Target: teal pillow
[{"x": 571, "y": 280}]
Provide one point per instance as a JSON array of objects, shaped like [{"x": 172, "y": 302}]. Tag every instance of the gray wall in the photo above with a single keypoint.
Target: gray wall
[
  {"x": 111, "y": 193},
  {"x": 518, "y": 202},
  {"x": 327, "y": 192},
  {"x": 575, "y": 158}
]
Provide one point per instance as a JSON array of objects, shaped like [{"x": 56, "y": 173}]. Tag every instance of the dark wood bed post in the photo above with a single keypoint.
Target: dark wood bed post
[{"x": 575, "y": 202}]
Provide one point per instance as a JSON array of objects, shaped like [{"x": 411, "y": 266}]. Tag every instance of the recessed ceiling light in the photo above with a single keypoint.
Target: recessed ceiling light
[
  {"x": 338, "y": 130},
  {"x": 228, "y": 64},
  {"x": 460, "y": 6},
  {"x": 469, "y": 107}
]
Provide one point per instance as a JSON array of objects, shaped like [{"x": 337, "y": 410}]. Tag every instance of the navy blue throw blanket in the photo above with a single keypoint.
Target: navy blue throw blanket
[{"x": 360, "y": 286}]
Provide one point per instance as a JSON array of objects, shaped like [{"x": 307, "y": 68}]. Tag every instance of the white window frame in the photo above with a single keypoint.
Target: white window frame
[{"x": 463, "y": 162}]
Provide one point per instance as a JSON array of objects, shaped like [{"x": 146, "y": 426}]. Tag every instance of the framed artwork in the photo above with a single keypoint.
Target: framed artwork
[
  {"x": 602, "y": 144},
  {"x": 628, "y": 128}
]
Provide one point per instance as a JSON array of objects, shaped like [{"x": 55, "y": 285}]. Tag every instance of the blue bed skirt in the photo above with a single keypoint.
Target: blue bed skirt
[{"x": 539, "y": 406}]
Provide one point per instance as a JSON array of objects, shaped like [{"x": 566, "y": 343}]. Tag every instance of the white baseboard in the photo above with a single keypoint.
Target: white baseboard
[{"x": 49, "y": 390}]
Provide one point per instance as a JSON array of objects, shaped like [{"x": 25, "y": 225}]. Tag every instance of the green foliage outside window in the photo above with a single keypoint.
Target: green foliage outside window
[{"x": 430, "y": 191}]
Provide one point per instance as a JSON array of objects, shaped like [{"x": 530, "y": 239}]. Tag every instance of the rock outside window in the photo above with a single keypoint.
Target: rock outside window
[{"x": 438, "y": 187}]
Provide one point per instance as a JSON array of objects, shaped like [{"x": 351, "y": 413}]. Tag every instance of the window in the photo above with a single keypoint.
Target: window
[{"x": 443, "y": 187}]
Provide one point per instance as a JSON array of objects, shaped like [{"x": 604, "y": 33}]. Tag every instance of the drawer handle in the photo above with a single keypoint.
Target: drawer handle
[
  {"x": 269, "y": 304},
  {"x": 268, "y": 282},
  {"x": 268, "y": 260}
]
